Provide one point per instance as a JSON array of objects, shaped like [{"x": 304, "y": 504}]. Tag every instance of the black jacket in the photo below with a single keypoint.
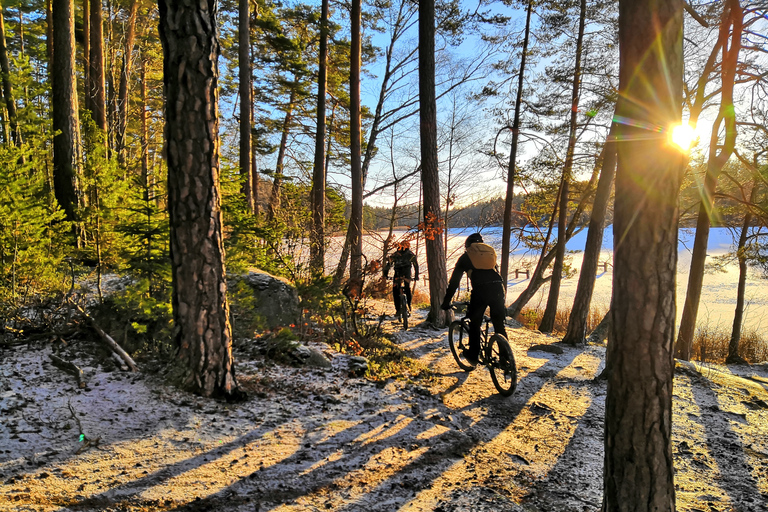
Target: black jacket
[
  {"x": 402, "y": 262},
  {"x": 478, "y": 278}
]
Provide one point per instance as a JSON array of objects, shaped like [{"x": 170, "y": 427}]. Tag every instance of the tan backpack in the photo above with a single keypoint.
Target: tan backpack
[{"x": 482, "y": 256}]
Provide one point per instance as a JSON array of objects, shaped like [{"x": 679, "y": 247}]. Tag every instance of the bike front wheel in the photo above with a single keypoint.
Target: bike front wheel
[
  {"x": 458, "y": 339},
  {"x": 501, "y": 363},
  {"x": 404, "y": 310}
]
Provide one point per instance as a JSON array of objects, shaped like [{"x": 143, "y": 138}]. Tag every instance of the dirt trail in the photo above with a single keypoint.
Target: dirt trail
[{"x": 311, "y": 439}]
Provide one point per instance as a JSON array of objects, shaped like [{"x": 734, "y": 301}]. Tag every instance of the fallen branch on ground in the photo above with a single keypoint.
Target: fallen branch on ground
[
  {"x": 70, "y": 368},
  {"x": 107, "y": 338}
]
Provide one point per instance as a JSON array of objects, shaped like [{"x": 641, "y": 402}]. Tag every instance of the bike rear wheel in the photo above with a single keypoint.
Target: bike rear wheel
[
  {"x": 501, "y": 363},
  {"x": 458, "y": 339},
  {"x": 404, "y": 310}
]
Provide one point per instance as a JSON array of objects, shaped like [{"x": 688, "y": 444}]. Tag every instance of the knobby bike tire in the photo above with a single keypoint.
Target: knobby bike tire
[
  {"x": 404, "y": 310},
  {"x": 458, "y": 340},
  {"x": 501, "y": 363}
]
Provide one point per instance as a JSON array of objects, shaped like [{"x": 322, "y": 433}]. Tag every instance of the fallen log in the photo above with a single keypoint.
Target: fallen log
[
  {"x": 69, "y": 368},
  {"x": 107, "y": 338}
]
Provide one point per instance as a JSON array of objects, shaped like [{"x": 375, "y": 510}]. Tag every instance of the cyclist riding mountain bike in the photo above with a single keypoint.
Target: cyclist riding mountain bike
[
  {"x": 479, "y": 262},
  {"x": 402, "y": 260}
]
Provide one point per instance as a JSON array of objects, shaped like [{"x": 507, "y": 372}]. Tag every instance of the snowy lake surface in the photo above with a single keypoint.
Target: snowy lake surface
[{"x": 718, "y": 301}]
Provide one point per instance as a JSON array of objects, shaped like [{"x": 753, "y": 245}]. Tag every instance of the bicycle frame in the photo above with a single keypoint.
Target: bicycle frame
[{"x": 483, "y": 334}]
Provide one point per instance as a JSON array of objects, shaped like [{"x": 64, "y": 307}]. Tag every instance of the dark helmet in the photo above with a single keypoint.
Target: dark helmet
[{"x": 473, "y": 239}]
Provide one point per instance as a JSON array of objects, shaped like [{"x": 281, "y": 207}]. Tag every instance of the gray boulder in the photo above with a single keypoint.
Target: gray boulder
[{"x": 277, "y": 300}]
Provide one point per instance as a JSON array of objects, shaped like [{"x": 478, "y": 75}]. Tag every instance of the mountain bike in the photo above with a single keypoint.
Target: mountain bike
[
  {"x": 495, "y": 353},
  {"x": 405, "y": 312}
]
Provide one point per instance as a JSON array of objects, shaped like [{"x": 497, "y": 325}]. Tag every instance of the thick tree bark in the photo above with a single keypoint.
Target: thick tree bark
[
  {"x": 577, "y": 323},
  {"x": 125, "y": 77},
  {"x": 246, "y": 102},
  {"x": 506, "y": 233},
  {"x": 356, "y": 217},
  {"x": 317, "y": 247},
  {"x": 430, "y": 179},
  {"x": 96, "y": 87},
  {"x": 5, "y": 69},
  {"x": 738, "y": 316},
  {"x": 550, "y": 312},
  {"x": 638, "y": 474},
  {"x": 66, "y": 123},
  {"x": 203, "y": 333},
  {"x": 733, "y": 17}
]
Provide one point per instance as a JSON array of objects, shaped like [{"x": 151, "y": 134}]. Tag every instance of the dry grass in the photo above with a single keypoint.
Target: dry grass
[
  {"x": 710, "y": 344},
  {"x": 531, "y": 318}
]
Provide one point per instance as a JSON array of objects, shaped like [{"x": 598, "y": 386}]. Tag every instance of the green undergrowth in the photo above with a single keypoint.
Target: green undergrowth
[{"x": 387, "y": 360}]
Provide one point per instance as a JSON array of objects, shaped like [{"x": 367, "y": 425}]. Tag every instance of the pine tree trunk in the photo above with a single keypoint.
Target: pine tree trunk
[
  {"x": 733, "y": 17},
  {"x": 144, "y": 136},
  {"x": 506, "y": 233},
  {"x": 203, "y": 334},
  {"x": 86, "y": 53},
  {"x": 356, "y": 217},
  {"x": 738, "y": 316},
  {"x": 66, "y": 123},
  {"x": 638, "y": 473},
  {"x": 125, "y": 77},
  {"x": 317, "y": 248},
  {"x": 246, "y": 103},
  {"x": 430, "y": 179},
  {"x": 550, "y": 312},
  {"x": 577, "y": 323},
  {"x": 96, "y": 87},
  {"x": 10, "y": 102}
]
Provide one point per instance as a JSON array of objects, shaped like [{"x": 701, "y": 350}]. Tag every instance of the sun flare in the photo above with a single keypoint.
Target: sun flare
[{"x": 683, "y": 136}]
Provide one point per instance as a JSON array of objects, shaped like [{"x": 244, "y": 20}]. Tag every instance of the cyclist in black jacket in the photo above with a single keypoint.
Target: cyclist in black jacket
[
  {"x": 402, "y": 260},
  {"x": 487, "y": 291}
]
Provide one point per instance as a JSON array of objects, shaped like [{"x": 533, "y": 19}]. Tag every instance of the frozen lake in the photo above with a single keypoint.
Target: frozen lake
[{"x": 718, "y": 295}]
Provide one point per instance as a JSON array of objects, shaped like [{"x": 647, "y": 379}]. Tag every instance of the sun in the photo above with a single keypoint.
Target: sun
[{"x": 683, "y": 136}]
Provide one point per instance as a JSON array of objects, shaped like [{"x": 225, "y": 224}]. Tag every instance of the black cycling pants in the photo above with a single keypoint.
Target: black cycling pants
[
  {"x": 396, "y": 292},
  {"x": 489, "y": 295}
]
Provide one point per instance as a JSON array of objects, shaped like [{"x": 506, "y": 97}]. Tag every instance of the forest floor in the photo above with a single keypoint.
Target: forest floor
[{"x": 319, "y": 439}]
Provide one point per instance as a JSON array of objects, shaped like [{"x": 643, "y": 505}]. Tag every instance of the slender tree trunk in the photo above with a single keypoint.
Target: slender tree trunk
[
  {"x": 577, "y": 323},
  {"x": 254, "y": 168},
  {"x": 10, "y": 102},
  {"x": 125, "y": 77},
  {"x": 21, "y": 32},
  {"x": 438, "y": 278},
  {"x": 374, "y": 131},
  {"x": 317, "y": 247},
  {"x": 203, "y": 333},
  {"x": 738, "y": 316},
  {"x": 733, "y": 17},
  {"x": 96, "y": 88},
  {"x": 277, "y": 181},
  {"x": 246, "y": 103},
  {"x": 506, "y": 233},
  {"x": 550, "y": 312},
  {"x": 356, "y": 217},
  {"x": 537, "y": 277},
  {"x": 255, "y": 197},
  {"x": 144, "y": 131},
  {"x": 66, "y": 123},
  {"x": 87, "y": 53},
  {"x": 638, "y": 473}
]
